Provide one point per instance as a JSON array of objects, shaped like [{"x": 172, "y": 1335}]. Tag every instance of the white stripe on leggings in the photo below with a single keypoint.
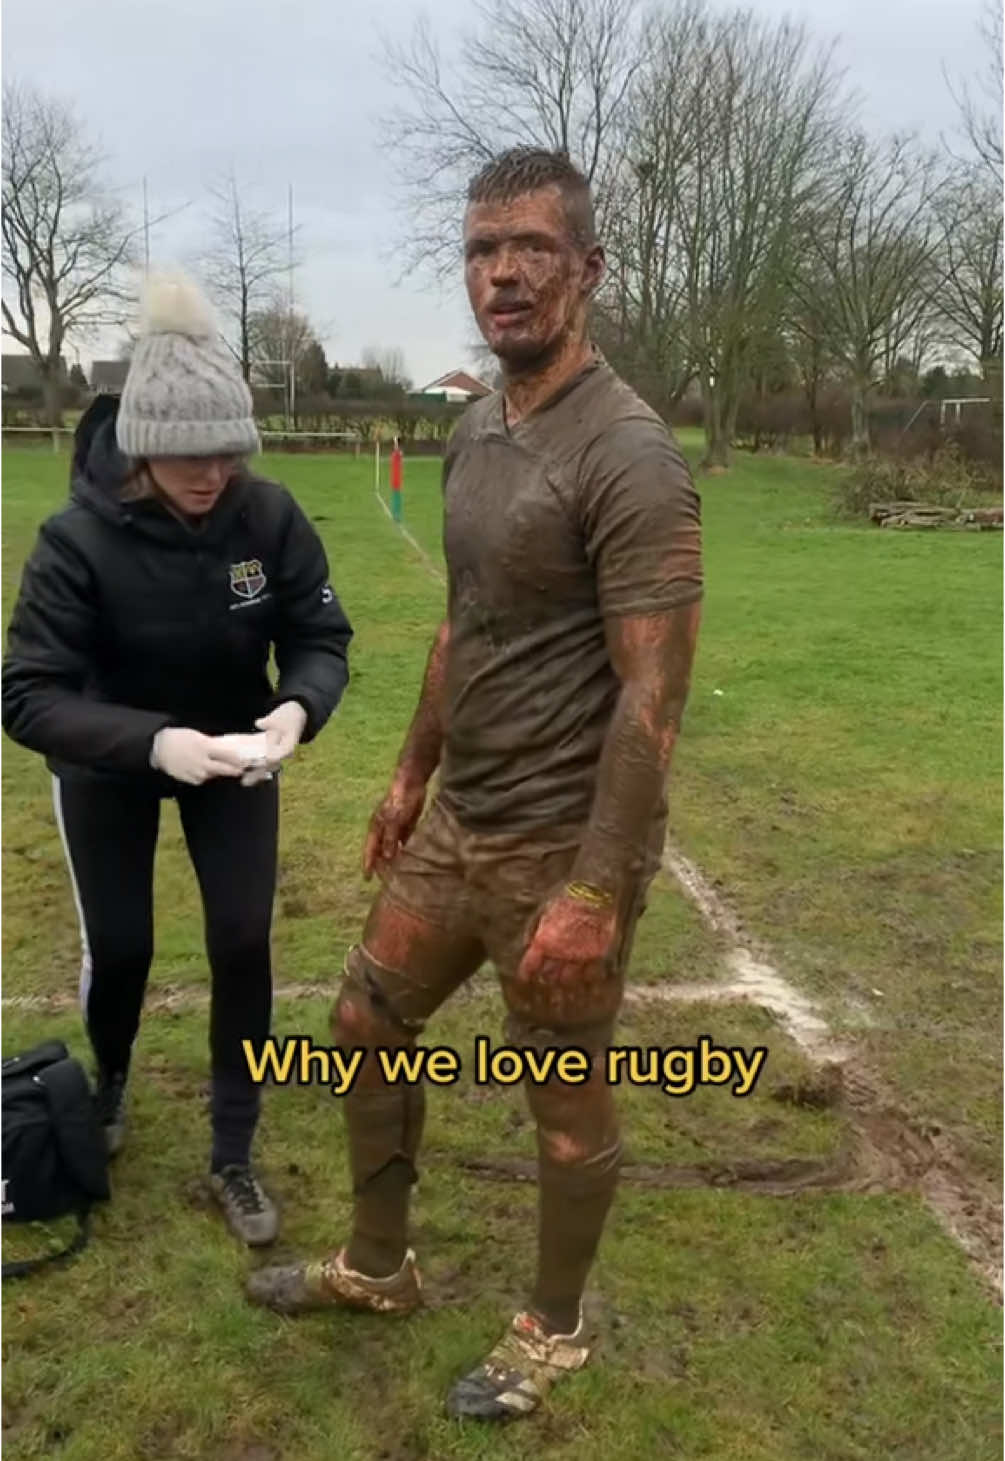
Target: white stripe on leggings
[{"x": 86, "y": 964}]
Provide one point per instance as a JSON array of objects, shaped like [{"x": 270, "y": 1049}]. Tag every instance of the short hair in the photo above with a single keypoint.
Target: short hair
[{"x": 526, "y": 170}]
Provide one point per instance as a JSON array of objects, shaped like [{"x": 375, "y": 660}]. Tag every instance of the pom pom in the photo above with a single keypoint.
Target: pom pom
[{"x": 171, "y": 304}]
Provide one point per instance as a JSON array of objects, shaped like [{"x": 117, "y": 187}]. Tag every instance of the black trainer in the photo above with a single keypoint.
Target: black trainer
[
  {"x": 110, "y": 1105},
  {"x": 250, "y": 1213}
]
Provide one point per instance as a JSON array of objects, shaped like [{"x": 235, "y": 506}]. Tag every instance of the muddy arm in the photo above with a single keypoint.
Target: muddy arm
[
  {"x": 652, "y": 655},
  {"x": 420, "y": 754}
]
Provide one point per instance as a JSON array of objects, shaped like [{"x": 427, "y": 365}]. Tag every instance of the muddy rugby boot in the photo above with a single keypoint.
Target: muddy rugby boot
[
  {"x": 328, "y": 1283},
  {"x": 249, "y": 1212},
  {"x": 518, "y": 1372}
]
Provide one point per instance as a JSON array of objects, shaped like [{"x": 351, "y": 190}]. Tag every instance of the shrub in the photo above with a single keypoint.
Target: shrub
[
  {"x": 944, "y": 479},
  {"x": 771, "y": 421},
  {"x": 421, "y": 426},
  {"x": 979, "y": 437}
]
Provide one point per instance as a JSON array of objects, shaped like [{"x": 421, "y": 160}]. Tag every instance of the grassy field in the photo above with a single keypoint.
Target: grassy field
[{"x": 842, "y": 789}]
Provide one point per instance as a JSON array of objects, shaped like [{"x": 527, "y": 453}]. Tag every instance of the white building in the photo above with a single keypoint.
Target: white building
[{"x": 457, "y": 385}]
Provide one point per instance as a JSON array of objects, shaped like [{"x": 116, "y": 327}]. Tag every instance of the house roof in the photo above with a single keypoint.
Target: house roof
[
  {"x": 458, "y": 380},
  {"x": 108, "y": 375}
]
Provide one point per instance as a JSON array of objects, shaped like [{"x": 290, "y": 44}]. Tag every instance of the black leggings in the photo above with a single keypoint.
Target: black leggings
[{"x": 109, "y": 833}]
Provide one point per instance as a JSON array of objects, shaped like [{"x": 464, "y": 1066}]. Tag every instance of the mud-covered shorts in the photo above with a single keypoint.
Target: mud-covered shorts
[{"x": 453, "y": 898}]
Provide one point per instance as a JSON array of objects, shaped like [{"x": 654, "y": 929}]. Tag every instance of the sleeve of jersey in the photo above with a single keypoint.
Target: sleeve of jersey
[
  {"x": 51, "y": 643},
  {"x": 641, "y": 519},
  {"x": 313, "y": 634}
]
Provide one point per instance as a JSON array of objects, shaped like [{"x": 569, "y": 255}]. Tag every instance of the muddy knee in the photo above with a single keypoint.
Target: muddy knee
[
  {"x": 365, "y": 1012},
  {"x": 577, "y": 1126}
]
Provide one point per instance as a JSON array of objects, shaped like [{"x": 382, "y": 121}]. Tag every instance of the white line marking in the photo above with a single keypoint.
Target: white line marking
[{"x": 754, "y": 979}]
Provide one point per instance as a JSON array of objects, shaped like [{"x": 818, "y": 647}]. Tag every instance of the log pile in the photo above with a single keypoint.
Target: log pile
[{"x": 924, "y": 515}]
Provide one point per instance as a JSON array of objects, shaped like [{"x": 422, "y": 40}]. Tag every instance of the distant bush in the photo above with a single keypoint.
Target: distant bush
[
  {"x": 25, "y": 407},
  {"x": 897, "y": 428},
  {"x": 944, "y": 479},
  {"x": 420, "y": 426},
  {"x": 978, "y": 434},
  {"x": 770, "y": 422}
]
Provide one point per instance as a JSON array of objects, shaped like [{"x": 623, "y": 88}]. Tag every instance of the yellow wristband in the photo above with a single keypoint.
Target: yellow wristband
[{"x": 589, "y": 893}]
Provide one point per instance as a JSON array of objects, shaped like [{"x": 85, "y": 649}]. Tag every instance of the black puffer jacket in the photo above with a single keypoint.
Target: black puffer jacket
[{"x": 128, "y": 620}]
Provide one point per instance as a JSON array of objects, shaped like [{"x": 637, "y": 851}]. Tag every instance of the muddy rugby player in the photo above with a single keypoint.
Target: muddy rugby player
[{"x": 551, "y": 702}]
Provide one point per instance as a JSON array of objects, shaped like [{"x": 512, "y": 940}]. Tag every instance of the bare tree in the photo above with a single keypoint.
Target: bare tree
[
  {"x": 981, "y": 113},
  {"x": 645, "y": 338},
  {"x": 248, "y": 255},
  {"x": 970, "y": 213},
  {"x": 731, "y": 121},
  {"x": 551, "y": 73},
  {"x": 66, "y": 241},
  {"x": 806, "y": 322},
  {"x": 911, "y": 329},
  {"x": 642, "y": 318},
  {"x": 389, "y": 364},
  {"x": 284, "y": 343},
  {"x": 868, "y": 261},
  {"x": 970, "y": 297}
]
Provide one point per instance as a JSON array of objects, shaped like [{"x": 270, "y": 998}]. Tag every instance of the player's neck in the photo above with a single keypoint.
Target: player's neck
[{"x": 525, "y": 390}]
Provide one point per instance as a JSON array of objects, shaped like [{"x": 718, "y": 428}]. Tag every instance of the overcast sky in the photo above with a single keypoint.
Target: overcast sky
[{"x": 288, "y": 93}]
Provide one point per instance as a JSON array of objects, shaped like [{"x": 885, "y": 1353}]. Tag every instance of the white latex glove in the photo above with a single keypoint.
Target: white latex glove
[
  {"x": 189, "y": 756},
  {"x": 252, "y": 778},
  {"x": 253, "y": 753},
  {"x": 283, "y": 728}
]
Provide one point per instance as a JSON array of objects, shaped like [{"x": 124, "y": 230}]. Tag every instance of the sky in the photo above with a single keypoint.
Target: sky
[{"x": 182, "y": 91}]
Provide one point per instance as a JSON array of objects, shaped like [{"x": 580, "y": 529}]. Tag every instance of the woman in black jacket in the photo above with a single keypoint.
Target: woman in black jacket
[{"x": 137, "y": 664}]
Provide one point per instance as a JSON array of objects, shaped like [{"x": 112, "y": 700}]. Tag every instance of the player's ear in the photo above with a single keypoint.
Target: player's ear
[{"x": 594, "y": 268}]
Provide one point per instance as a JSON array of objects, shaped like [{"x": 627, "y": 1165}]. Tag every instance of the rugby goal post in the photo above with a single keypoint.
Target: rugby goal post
[{"x": 958, "y": 402}]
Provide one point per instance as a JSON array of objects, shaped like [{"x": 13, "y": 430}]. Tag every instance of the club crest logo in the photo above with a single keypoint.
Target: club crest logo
[{"x": 247, "y": 579}]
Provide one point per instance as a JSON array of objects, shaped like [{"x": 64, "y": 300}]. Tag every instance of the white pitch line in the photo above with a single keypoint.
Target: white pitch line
[
  {"x": 165, "y": 1001},
  {"x": 754, "y": 980},
  {"x": 171, "y": 1000},
  {"x": 716, "y": 913}
]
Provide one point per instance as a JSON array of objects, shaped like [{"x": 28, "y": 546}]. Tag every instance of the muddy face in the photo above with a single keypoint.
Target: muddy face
[{"x": 527, "y": 278}]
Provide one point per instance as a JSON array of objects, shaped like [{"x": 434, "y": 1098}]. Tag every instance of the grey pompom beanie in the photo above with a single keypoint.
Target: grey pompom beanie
[{"x": 184, "y": 394}]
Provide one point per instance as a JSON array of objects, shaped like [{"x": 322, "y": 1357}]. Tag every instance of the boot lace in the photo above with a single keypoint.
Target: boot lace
[{"x": 243, "y": 1189}]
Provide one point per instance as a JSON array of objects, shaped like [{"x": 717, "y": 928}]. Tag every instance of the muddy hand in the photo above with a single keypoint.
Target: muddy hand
[
  {"x": 569, "y": 946},
  {"x": 392, "y": 824}
]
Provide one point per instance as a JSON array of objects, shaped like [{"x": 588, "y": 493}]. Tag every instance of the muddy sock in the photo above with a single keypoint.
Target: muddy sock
[
  {"x": 573, "y": 1202},
  {"x": 384, "y": 1128},
  {"x": 380, "y": 1222}
]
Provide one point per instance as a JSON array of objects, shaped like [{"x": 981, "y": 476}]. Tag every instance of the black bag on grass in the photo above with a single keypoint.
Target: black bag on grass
[{"x": 55, "y": 1161}]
